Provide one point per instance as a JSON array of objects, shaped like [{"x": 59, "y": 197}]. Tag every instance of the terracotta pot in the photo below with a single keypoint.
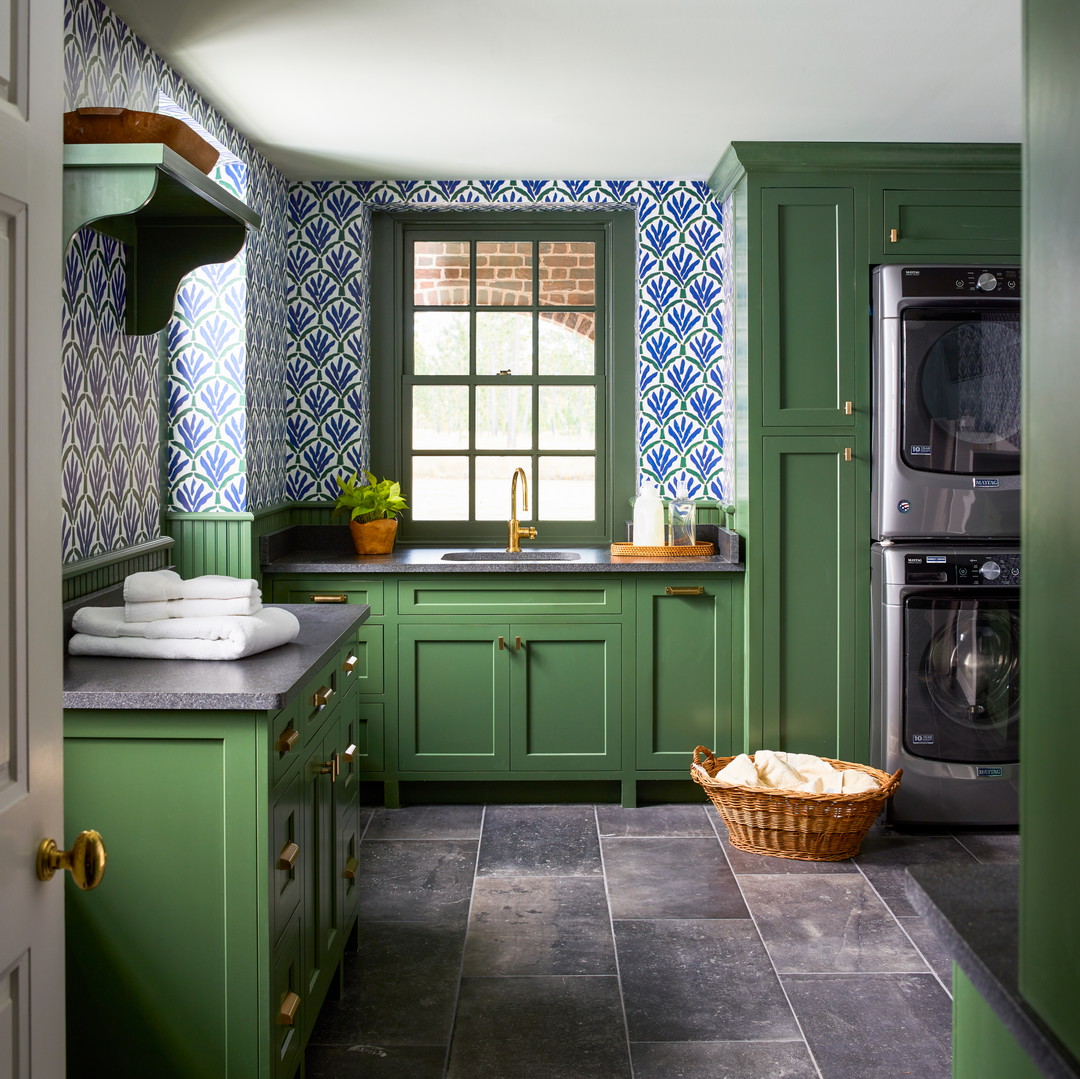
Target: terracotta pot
[{"x": 374, "y": 537}]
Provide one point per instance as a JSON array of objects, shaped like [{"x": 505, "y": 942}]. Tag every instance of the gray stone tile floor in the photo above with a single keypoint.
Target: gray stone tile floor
[{"x": 593, "y": 942}]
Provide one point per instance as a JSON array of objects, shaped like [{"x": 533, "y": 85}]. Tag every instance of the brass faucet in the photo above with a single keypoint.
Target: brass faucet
[{"x": 516, "y": 531}]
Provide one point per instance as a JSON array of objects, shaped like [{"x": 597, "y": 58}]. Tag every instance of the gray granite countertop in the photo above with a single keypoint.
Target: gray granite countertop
[
  {"x": 975, "y": 912},
  {"x": 328, "y": 549},
  {"x": 267, "y": 680}
]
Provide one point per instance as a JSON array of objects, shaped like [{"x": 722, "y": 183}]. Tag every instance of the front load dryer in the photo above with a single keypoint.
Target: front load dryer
[{"x": 946, "y": 681}]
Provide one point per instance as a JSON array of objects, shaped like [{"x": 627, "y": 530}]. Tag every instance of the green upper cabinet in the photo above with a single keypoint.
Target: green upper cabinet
[
  {"x": 808, "y": 301},
  {"x": 939, "y": 222}
]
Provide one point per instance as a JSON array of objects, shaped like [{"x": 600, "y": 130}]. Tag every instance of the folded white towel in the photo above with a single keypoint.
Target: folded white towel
[
  {"x": 777, "y": 773},
  {"x": 160, "y": 585},
  {"x": 195, "y": 638},
  {"x": 740, "y": 772},
  {"x": 192, "y": 608}
]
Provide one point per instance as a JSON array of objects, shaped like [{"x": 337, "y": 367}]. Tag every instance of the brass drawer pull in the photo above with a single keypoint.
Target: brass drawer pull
[
  {"x": 350, "y": 752},
  {"x": 288, "y": 739},
  {"x": 286, "y": 1015},
  {"x": 696, "y": 590},
  {"x": 350, "y": 664},
  {"x": 349, "y": 872},
  {"x": 321, "y": 697},
  {"x": 329, "y": 597},
  {"x": 287, "y": 858}
]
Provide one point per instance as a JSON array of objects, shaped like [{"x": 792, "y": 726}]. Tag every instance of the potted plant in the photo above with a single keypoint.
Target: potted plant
[{"x": 372, "y": 508}]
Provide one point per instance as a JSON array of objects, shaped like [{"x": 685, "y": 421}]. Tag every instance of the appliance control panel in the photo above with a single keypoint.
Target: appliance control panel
[
  {"x": 939, "y": 281},
  {"x": 986, "y": 567}
]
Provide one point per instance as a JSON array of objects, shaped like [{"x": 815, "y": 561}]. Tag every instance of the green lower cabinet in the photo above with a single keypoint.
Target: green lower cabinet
[
  {"x": 807, "y": 637},
  {"x": 982, "y": 1046},
  {"x": 509, "y": 696},
  {"x": 215, "y": 934},
  {"x": 683, "y": 672}
]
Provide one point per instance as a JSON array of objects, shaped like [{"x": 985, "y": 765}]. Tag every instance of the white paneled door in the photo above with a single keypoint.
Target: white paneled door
[{"x": 31, "y": 759}]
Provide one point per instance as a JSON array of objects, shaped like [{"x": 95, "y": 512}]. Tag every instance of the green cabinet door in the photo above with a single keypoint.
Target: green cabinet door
[
  {"x": 453, "y": 683},
  {"x": 683, "y": 671},
  {"x": 922, "y": 224},
  {"x": 809, "y": 297},
  {"x": 811, "y": 569},
  {"x": 565, "y": 696}
]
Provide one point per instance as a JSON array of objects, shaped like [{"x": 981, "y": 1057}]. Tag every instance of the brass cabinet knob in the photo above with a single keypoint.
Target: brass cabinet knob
[
  {"x": 85, "y": 860},
  {"x": 518, "y": 643},
  {"x": 286, "y": 1015},
  {"x": 287, "y": 856},
  {"x": 350, "y": 752},
  {"x": 321, "y": 697},
  {"x": 894, "y": 235},
  {"x": 849, "y": 407},
  {"x": 287, "y": 739},
  {"x": 350, "y": 664},
  {"x": 351, "y": 866}
]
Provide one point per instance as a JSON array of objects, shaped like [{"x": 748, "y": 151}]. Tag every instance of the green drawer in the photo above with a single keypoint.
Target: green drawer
[
  {"x": 952, "y": 222},
  {"x": 286, "y": 985},
  {"x": 361, "y": 668},
  {"x": 315, "y": 590},
  {"x": 286, "y": 856},
  {"x": 555, "y": 595}
]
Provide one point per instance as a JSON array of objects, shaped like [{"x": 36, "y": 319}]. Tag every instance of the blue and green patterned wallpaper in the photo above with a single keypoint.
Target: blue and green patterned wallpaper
[
  {"x": 269, "y": 355},
  {"x": 682, "y": 369},
  {"x": 226, "y": 342}
]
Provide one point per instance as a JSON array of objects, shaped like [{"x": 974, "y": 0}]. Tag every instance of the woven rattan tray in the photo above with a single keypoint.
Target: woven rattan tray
[
  {"x": 791, "y": 824},
  {"x": 685, "y": 551}
]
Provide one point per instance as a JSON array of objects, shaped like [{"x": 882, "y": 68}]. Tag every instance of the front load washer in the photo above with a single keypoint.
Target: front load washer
[
  {"x": 946, "y": 680},
  {"x": 946, "y": 457}
]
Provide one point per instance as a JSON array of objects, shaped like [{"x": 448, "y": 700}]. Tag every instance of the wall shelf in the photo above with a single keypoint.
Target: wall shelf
[{"x": 170, "y": 217}]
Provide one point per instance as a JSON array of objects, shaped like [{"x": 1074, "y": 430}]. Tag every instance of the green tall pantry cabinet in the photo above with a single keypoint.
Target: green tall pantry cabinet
[{"x": 805, "y": 223}]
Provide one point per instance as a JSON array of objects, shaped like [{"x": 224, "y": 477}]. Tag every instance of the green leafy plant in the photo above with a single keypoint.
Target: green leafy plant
[{"x": 373, "y": 501}]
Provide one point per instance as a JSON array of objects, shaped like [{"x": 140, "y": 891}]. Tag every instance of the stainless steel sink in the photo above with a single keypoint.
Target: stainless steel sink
[{"x": 507, "y": 556}]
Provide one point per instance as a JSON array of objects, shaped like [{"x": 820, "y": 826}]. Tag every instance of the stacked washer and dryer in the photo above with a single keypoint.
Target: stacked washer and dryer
[{"x": 945, "y": 564}]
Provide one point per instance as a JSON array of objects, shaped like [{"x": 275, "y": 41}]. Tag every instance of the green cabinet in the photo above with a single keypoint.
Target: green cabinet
[
  {"x": 805, "y": 225},
  {"x": 212, "y": 942},
  {"x": 684, "y": 678},
  {"x": 518, "y": 696},
  {"x": 553, "y": 677}
]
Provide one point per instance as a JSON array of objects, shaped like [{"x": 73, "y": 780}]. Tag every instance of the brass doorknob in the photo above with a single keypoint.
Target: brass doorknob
[{"x": 86, "y": 859}]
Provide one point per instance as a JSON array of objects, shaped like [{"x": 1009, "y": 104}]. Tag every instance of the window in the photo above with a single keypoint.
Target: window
[{"x": 494, "y": 337}]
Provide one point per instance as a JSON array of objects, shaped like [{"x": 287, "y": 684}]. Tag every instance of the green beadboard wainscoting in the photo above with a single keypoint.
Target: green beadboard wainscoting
[{"x": 106, "y": 570}]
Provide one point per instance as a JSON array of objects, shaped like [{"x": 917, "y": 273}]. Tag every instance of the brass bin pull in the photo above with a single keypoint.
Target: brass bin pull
[
  {"x": 349, "y": 872},
  {"x": 695, "y": 590},
  {"x": 286, "y": 1015},
  {"x": 350, "y": 752},
  {"x": 288, "y": 739},
  {"x": 288, "y": 855},
  {"x": 350, "y": 664},
  {"x": 518, "y": 644},
  {"x": 86, "y": 859},
  {"x": 321, "y": 697},
  {"x": 329, "y": 597}
]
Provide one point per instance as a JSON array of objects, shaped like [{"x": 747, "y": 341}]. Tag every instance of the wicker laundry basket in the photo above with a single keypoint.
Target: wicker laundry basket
[{"x": 790, "y": 824}]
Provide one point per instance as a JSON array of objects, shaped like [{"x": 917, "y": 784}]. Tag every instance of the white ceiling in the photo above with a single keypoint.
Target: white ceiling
[{"x": 577, "y": 89}]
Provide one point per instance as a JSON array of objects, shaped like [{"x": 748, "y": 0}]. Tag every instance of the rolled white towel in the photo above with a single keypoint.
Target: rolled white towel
[
  {"x": 192, "y": 608},
  {"x": 213, "y": 639},
  {"x": 158, "y": 586}
]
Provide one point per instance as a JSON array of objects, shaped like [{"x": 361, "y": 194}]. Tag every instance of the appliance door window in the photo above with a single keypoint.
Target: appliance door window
[
  {"x": 961, "y": 392},
  {"x": 962, "y": 677}
]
